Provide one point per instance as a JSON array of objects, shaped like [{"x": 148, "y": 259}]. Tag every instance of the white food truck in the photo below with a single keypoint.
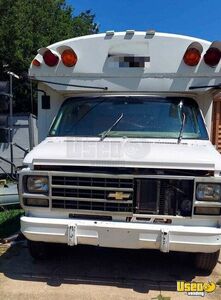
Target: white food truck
[{"x": 124, "y": 157}]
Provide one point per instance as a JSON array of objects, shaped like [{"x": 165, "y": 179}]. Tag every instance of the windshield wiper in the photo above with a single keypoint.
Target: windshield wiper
[
  {"x": 214, "y": 86},
  {"x": 74, "y": 85},
  {"x": 110, "y": 128},
  {"x": 183, "y": 123}
]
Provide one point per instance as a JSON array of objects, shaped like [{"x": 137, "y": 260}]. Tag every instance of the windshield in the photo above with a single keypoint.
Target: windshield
[{"x": 143, "y": 117}]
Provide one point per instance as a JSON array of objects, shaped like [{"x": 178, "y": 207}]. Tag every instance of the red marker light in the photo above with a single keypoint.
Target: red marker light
[
  {"x": 192, "y": 57},
  {"x": 36, "y": 63},
  {"x": 50, "y": 58},
  {"x": 69, "y": 58},
  {"x": 212, "y": 57}
]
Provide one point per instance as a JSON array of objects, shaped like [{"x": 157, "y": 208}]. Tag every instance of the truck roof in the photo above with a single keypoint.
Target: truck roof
[{"x": 127, "y": 61}]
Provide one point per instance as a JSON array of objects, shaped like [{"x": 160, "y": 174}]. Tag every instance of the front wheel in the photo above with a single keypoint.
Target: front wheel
[
  {"x": 38, "y": 250},
  {"x": 207, "y": 261}
]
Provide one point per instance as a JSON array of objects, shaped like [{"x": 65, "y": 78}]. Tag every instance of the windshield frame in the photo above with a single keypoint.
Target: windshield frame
[{"x": 103, "y": 98}]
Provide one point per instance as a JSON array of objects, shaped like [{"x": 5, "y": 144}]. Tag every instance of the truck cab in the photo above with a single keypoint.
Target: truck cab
[{"x": 124, "y": 157}]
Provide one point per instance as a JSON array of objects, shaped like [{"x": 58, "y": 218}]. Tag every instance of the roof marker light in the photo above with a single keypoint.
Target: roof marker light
[
  {"x": 192, "y": 57},
  {"x": 110, "y": 33},
  {"x": 130, "y": 31},
  {"x": 50, "y": 58},
  {"x": 212, "y": 56},
  {"x": 69, "y": 58}
]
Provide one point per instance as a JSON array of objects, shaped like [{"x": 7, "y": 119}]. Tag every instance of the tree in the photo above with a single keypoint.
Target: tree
[{"x": 27, "y": 25}]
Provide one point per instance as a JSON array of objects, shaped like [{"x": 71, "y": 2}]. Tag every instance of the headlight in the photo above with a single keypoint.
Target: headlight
[
  {"x": 208, "y": 192},
  {"x": 37, "y": 184}
]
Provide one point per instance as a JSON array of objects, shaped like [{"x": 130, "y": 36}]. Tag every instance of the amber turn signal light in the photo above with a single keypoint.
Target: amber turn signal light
[
  {"x": 36, "y": 63},
  {"x": 69, "y": 58}
]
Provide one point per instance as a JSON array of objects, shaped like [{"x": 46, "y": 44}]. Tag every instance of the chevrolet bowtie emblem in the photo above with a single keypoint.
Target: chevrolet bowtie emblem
[{"x": 119, "y": 195}]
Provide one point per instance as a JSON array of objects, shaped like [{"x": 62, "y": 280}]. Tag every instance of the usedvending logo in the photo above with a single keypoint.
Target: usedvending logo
[{"x": 196, "y": 288}]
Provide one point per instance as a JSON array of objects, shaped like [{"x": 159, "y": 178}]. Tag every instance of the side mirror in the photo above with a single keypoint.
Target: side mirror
[{"x": 45, "y": 102}]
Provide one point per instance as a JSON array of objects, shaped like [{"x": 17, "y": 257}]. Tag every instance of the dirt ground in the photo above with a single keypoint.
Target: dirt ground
[{"x": 87, "y": 273}]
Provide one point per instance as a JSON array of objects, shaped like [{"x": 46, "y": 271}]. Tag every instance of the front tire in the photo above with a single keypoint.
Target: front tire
[
  {"x": 38, "y": 250},
  {"x": 207, "y": 261}
]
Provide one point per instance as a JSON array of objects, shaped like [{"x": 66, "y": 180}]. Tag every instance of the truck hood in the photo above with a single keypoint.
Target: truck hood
[{"x": 200, "y": 155}]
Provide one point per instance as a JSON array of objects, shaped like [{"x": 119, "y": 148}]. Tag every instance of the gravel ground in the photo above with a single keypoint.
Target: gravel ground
[{"x": 87, "y": 273}]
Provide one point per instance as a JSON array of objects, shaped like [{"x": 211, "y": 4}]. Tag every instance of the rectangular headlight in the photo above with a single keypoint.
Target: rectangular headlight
[
  {"x": 208, "y": 192},
  {"x": 37, "y": 184},
  {"x": 36, "y": 202}
]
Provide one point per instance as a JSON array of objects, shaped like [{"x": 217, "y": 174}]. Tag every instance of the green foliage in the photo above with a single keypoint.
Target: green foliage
[
  {"x": 27, "y": 25},
  {"x": 9, "y": 222}
]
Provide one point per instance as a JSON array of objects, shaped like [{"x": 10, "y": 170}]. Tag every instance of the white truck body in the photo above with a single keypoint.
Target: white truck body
[{"x": 132, "y": 161}]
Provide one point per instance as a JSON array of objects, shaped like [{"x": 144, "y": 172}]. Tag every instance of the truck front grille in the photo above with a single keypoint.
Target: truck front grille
[
  {"x": 92, "y": 193},
  {"x": 164, "y": 196},
  {"x": 112, "y": 193}
]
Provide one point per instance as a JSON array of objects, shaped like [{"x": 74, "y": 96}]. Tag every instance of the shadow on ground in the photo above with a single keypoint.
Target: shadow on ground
[{"x": 140, "y": 270}]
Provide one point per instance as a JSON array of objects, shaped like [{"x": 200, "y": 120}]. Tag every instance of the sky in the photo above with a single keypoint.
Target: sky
[{"x": 198, "y": 18}]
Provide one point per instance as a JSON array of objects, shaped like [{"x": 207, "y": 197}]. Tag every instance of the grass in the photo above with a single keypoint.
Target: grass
[{"x": 9, "y": 221}]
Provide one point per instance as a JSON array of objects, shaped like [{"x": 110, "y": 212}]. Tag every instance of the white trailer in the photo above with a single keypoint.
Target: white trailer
[{"x": 125, "y": 158}]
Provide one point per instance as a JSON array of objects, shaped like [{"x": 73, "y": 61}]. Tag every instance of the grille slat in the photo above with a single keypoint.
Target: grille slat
[
  {"x": 90, "y": 205},
  {"x": 88, "y": 200},
  {"x": 92, "y": 188},
  {"x": 88, "y": 194},
  {"x": 88, "y": 181}
]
